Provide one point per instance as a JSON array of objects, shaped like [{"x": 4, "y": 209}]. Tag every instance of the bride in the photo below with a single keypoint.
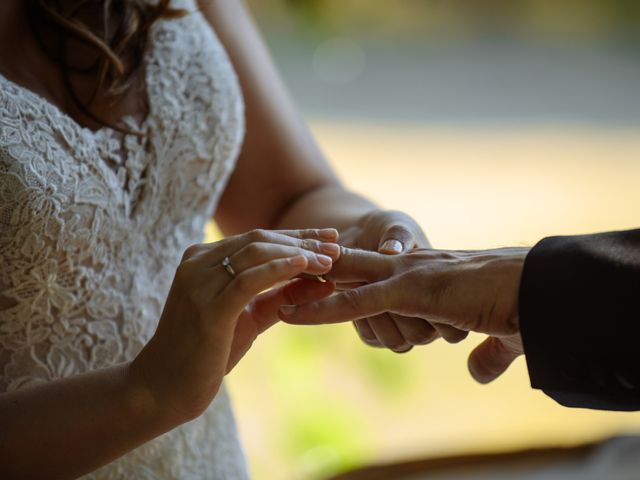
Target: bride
[{"x": 122, "y": 132}]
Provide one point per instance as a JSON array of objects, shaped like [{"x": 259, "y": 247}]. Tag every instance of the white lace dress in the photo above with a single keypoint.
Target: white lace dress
[{"x": 92, "y": 229}]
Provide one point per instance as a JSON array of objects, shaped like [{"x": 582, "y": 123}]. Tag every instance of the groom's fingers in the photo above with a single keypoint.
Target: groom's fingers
[
  {"x": 361, "y": 266},
  {"x": 388, "y": 333},
  {"x": 449, "y": 333},
  {"x": 366, "y": 333},
  {"x": 348, "y": 305},
  {"x": 490, "y": 359}
]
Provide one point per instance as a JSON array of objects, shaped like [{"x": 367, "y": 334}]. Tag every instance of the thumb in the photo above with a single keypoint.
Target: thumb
[
  {"x": 491, "y": 358},
  {"x": 263, "y": 312},
  {"x": 397, "y": 239},
  {"x": 297, "y": 292}
]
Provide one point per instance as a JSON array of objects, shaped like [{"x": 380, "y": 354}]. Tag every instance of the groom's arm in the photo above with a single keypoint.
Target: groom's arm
[{"x": 580, "y": 319}]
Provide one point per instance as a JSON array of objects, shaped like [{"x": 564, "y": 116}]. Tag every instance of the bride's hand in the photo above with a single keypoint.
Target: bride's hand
[
  {"x": 391, "y": 233},
  {"x": 213, "y": 314},
  {"x": 470, "y": 291}
]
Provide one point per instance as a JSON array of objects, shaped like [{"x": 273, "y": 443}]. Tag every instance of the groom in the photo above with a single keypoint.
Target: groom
[{"x": 570, "y": 304}]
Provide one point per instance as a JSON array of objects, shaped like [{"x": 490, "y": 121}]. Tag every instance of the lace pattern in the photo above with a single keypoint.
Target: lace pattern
[{"x": 92, "y": 228}]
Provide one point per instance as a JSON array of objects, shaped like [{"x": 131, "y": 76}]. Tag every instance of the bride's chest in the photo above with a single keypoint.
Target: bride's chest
[{"x": 51, "y": 168}]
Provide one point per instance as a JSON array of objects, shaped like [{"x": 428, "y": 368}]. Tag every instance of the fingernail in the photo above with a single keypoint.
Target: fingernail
[
  {"x": 328, "y": 234},
  {"x": 392, "y": 246},
  {"x": 331, "y": 249},
  {"x": 287, "y": 310},
  {"x": 324, "y": 260}
]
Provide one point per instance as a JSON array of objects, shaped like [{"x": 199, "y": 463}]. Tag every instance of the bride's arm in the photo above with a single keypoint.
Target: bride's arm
[
  {"x": 69, "y": 427},
  {"x": 282, "y": 178}
]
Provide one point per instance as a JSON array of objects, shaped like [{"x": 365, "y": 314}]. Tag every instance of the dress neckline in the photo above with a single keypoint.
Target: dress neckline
[
  {"x": 137, "y": 124},
  {"x": 101, "y": 139}
]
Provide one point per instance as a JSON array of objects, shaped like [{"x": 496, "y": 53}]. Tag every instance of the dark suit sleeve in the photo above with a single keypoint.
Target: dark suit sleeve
[{"x": 580, "y": 319}]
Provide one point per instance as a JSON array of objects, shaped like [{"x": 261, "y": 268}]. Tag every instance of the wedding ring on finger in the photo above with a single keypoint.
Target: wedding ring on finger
[{"x": 226, "y": 263}]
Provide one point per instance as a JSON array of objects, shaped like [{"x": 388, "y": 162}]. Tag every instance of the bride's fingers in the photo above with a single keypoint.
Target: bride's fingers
[
  {"x": 361, "y": 266},
  {"x": 259, "y": 252},
  {"x": 322, "y": 234},
  {"x": 311, "y": 240},
  {"x": 349, "y": 305},
  {"x": 243, "y": 288},
  {"x": 255, "y": 254}
]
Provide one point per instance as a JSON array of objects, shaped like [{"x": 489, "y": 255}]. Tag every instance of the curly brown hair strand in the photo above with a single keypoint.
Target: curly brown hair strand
[{"x": 118, "y": 40}]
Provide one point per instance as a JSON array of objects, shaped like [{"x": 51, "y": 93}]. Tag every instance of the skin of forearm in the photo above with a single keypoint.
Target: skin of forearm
[
  {"x": 72, "y": 426},
  {"x": 282, "y": 179},
  {"x": 330, "y": 206}
]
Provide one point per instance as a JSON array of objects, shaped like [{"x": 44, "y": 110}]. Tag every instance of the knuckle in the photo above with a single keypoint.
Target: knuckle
[
  {"x": 184, "y": 272},
  {"x": 352, "y": 298},
  {"x": 258, "y": 235},
  {"x": 308, "y": 244},
  {"x": 253, "y": 251},
  {"x": 217, "y": 244},
  {"x": 273, "y": 268},
  {"x": 192, "y": 250},
  {"x": 302, "y": 233},
  {"x": 312, "y": 233}
]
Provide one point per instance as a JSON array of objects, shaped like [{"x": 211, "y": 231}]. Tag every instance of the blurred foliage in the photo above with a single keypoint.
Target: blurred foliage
[
  {"x": 326, "y": 436},
  {"x": 461, "y": 17}
]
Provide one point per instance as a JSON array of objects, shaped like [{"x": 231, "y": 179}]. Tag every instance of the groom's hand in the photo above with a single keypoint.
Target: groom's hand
[
  {"x": 391, "y": 233},
  {"x": 469, "y": 291}
]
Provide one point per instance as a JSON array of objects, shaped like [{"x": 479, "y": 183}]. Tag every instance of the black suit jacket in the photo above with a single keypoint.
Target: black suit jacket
[{"x": 580, "y": 319}]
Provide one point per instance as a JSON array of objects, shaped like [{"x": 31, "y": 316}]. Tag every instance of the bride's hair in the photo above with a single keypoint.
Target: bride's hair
[{"x": 118, "y": 37}]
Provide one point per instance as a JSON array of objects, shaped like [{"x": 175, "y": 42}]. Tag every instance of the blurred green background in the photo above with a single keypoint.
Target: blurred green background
[
  {"x": 493, "y": 123},
  {"x": 449, "y": 18}
]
